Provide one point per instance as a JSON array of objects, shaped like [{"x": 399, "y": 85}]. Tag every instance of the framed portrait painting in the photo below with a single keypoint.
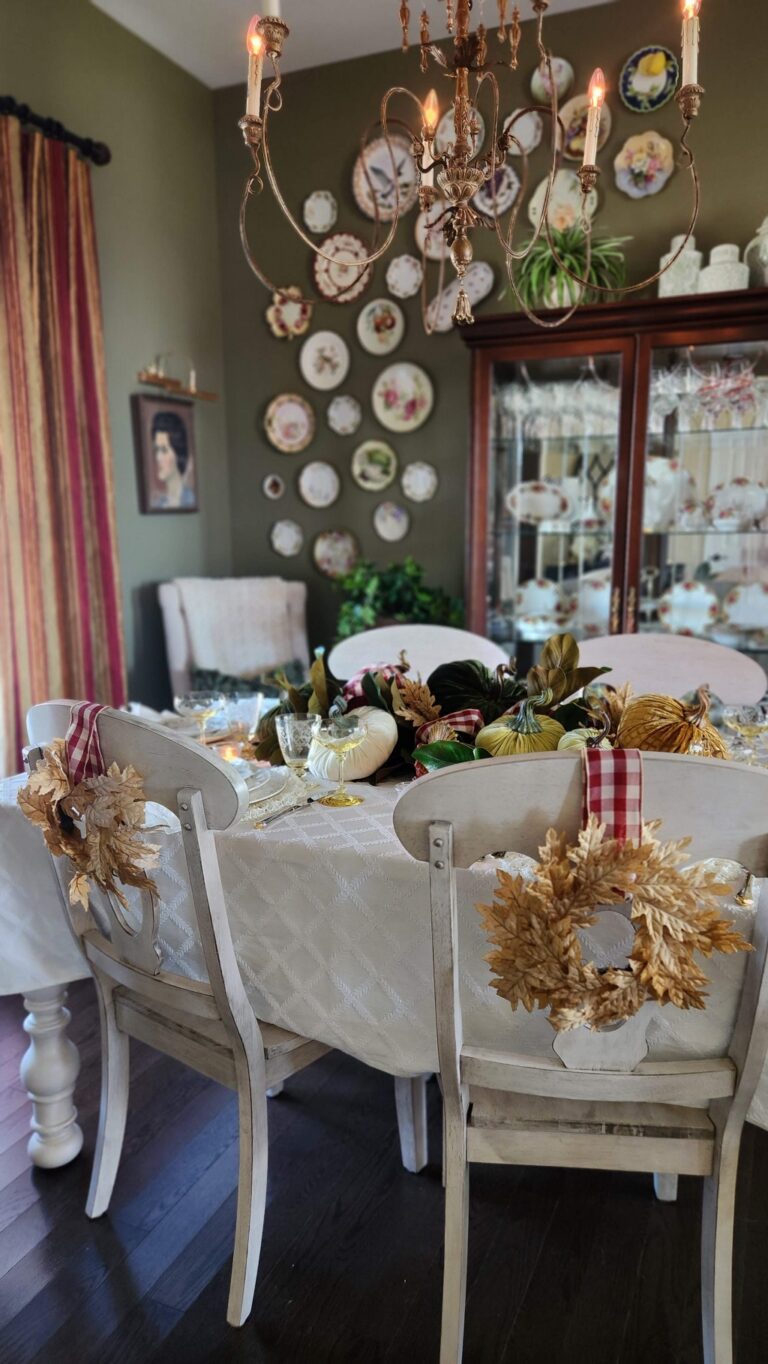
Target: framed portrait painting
[{"x": 164, "y": 437}]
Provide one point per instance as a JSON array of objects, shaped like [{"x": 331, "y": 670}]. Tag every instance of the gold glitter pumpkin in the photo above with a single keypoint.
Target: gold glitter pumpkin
[{"x": 661, "y": 724}]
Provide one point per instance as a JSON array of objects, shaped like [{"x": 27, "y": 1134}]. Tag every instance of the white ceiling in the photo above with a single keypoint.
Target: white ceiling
[{"x": 207, "y": 37}]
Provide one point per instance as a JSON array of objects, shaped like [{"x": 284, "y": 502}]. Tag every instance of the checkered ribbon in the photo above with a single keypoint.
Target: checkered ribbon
[
  {"x": 463, "y": 721},
  {"x": 353, "y": 689},
  {"x": 613, "y": 790},
  {"x": 81, "y": 742}
]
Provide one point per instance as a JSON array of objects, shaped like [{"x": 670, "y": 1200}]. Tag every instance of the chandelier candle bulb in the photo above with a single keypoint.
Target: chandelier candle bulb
[
  {"x": 255, "y": 46},
  {"x": 596, "y": 94},
  {"x": 431, "y": 119},
  {"x": 691, "y": 41}
]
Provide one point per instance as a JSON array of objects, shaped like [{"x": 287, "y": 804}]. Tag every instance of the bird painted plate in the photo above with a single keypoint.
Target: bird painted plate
[
  {"x": 541, "y": 87},
  {"x": 428, "y": 231},
  {"x": 644, "y": 165},
  {"x": 320, "y": 211},
  {"x": 688, "y": 608},
  {"x": 344, "y": 414},
  {"x": 419, "y": 481},
  {"x": 324, "y": 360},
  {"x": 526, "y": 125},
  {"x": 380, "y": 326},
  {"x": 391, "y": 522},
  {"x": 574, "y": 119},
  {"x": 335, "y": 552},
  {"x": 498, "y": 194},
  {"x": 319, "y": 484},
  {"x": 289, "y": 314},
  {"x": 564, "y": 201},
  {"x": 402, "y": 397},
  {"x": 648, "y": 79},
  {"x": 391, "y": 176},
  {"x": 289, "y": 423},
  {"x": 478, "y": 283},
  {"x": 374, "y": 465},
  {"x": 344, "y": 277},
  {"x": 445, "y": 137},
  {"x": 404, "y": 276},
  {"x": 286, "y": 538},
  {"x": 273, "y": 486}
]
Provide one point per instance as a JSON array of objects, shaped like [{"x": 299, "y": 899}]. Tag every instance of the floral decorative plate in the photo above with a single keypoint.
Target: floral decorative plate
[
  {"x": 320, "y": 211},
  {"x": 564, "y": 202},
  {"x": 745, "y": 499},
  {"x": 380, "y": 326},
  {"x": 289, "y": 423},
  {"x": 478, "y": 283},
  {"x": 344, "y": 277},
  {"x": 286, "y": 538},
  {"x": 402, "y": 397},
  {"x": 391, "y": 521},
  {"x": 498, "y": 194},
  {"x": 669, "y": 487},
  {"x": 391, "y": 173},
  {"x": 335, "y": 552},
  {"x": 324, "y": 360},
  {"x": 319, "y": 484},
  {"x": 535, "y": 501},
  {"x": 374, "y": 465},
  {"x": 419, "y": 481},
  {"x": 541, "y": 86},
  {"x": 428, "y": 231},
  {"x": 538, "y": 597},
  {"x": 746, "y": 606},
  {"x": 688, "y": 608},
  {"x": 527, "y": 127},
  {"x": 574, "y": 119},
  {"x": 445, "y": 136},
  {"x": 273, "y": 486},
  {"x": 289, "y": 314},
  {"x": 404, "y": 276},
  {"x": 344, "y": 415},
  {"x": 644, "y": 165},
  {"x": 593, "y": 604},
  {"x": 648, "y": 79}
]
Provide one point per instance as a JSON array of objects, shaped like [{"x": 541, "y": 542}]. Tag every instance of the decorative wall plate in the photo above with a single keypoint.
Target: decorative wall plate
[
  {"x": 445, "y": 136},
  {"x": 648, "y": 79},
  {"x": 419, "y": 481},
  {"x": 390, "y": 173},
  {"x": 380, "y": 326},
  {"x": 535, "y": 501},
  {"x": 391, "y": 521},
  {"x": 527, "y": 127},
  {"x": 324, "y": 360},
  {"x": 746, "y": 607},
  {"x": 644, "y": 165},
  {"x": 344, "y": 415},
  {"x": 688, "y": 608},
  {"x": 374, "y": 465},
  {"x": 478, "y": 283},
  {"x": 343, "y": 278},
  {"x": 288, "y": 314},
  {"x": 541, "y": 87},
  {"x": 498, "y": 194},
  {"x": 320, "y": 211},
  {"x": 428, "y": 231},
  {"x": 402, "y": 397},
  {"x": 319, "y": 484},
  {"x": 289, "y": 423},
  {"x": 574, "y": 119},
  {"x": 335, "y": 552},
  {"x": 404, "y": 276},
  {"x": 273, "y": 486},
  {"x": 286, "y": 538},
  {"x": 564, "y": 201}
]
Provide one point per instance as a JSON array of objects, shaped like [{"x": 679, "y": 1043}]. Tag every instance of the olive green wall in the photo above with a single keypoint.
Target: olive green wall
[
  {"x": 315, "y": 142},
  {"x": 157, "y": 237}
]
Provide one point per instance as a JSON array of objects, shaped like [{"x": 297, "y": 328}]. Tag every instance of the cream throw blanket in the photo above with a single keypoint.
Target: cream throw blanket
[{"x": 237, "y": 626}]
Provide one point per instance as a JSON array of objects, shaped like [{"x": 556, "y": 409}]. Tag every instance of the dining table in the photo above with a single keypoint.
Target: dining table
[{"x": 330, "y": 923}]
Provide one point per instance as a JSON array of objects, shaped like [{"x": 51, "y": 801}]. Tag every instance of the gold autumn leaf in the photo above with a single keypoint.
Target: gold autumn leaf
[{"x": 414, "y": 701}]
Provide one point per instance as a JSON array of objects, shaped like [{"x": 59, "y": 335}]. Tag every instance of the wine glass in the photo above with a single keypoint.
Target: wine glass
[
  {"x": 200, "y": 706},
  {"x": 295, "y": 734},
  {"x": 341, "y": 735}
]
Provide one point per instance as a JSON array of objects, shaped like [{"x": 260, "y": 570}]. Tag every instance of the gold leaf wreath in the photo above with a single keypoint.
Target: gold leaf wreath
[
  {"x": 97, "y": 824},
  {"x": 533, "y": 926}
]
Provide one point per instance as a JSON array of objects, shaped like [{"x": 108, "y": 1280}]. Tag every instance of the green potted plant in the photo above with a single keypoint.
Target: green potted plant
[
  {"x": 380, "y": 596},
  {"x": 542, "y": 283}
]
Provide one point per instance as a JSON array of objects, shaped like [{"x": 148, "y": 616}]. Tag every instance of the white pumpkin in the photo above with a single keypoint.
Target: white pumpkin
[{"x": 379, "y": 743}]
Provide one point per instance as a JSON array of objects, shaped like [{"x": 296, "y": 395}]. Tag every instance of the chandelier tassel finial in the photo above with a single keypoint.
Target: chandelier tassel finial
[
  {"x": 424, "y": 39},
  {"x": 405, "y": 19},
  {"x": 501, "y": 32},
  {"x": 514, "y": 38},
  {"x": 449, "y": 20},
  {"x": 482, "y": 46}
]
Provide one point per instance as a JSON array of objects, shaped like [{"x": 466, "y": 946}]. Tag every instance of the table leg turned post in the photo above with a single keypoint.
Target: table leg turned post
[{"x": 48, "y": 1072}]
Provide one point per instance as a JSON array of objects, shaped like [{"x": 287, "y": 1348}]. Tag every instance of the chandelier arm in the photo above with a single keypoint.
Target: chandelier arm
[
  {"x": 506, "y": 238},
  {"x": 547, "y": 325},
  {"x": 429, "y": 327}
]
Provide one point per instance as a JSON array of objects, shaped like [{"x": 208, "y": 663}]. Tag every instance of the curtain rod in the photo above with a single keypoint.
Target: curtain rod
[{"x": 96, "y": 152}]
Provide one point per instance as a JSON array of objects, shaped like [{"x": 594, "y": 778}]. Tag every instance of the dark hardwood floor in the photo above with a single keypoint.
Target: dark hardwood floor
[{"x": 567, "y": 1267}]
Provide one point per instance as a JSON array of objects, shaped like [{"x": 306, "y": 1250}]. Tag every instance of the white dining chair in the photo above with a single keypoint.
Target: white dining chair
[
  {"x": 425, "y": 647},
  {"x": 676, "y": 664},
  {"x": 679, "y": 1116}
]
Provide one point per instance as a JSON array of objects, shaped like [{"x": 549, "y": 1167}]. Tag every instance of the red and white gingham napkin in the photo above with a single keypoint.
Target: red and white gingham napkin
[
  {"x": 353, "y": 689},
  {"x": 81, "y": 742},
  {"x": 613, "y": 790}
]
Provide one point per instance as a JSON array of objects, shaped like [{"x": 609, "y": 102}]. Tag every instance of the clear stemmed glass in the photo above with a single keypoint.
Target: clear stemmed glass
[
  {"x": 200, "y": 706},
  {"x": 341, "y": 735},
  {"x": 295, "y": 734}
]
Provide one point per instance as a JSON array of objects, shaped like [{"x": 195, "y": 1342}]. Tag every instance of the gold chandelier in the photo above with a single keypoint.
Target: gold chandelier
[{"x": 454, "y": 178}]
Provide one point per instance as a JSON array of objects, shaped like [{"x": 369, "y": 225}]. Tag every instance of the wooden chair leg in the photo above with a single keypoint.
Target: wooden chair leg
[
  {"x": 251, "y": 1199},
  {"x": 411, "y": 1106},
  {"x": 717, "y": 1255},
  {"x": 665, "y": 1188},
  {"x": 455, "y": 1253},
  {"x": 115, "y": 1081}
]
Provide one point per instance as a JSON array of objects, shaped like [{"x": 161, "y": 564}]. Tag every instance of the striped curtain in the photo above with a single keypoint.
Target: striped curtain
[{"x": 60, "y": 621}]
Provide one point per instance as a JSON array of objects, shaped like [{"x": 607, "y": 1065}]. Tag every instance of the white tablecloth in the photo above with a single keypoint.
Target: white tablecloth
[{"x": 330, "y": 923}]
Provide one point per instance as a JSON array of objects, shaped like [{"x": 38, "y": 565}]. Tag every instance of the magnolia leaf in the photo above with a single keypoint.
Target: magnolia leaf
[{"x": 444, "y": 753}]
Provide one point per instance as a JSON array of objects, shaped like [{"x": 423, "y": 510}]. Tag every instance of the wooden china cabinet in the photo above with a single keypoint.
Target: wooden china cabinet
[{"x": 618, "y": 478}]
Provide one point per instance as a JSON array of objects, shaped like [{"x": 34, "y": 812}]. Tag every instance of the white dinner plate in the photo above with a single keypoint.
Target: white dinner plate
[{"x": 265, "y": 783}]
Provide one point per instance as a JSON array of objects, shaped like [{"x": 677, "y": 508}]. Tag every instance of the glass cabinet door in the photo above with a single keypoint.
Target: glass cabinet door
[
  {"x": 704, "y": 558},
  {"x": 554, "y": 444}
]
